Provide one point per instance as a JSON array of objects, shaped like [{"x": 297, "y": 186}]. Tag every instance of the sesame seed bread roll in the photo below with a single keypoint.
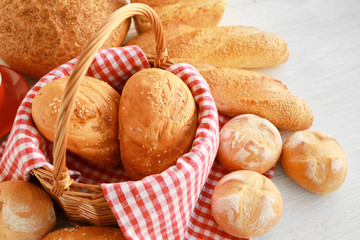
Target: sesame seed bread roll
[
  {"x": 315, "y": 160},
  {"x": 93, "y": 128},
  {"x": 238, "y": 91},
  {"x": 223, "y": 46},
  {"x": 249, "y": 142},
  {"x": 86, "y": 233},
  {"x": 157, "y": 122},
  {"x": 246, "y": 204},
  {"x": 26, "y": 211},
  {"x": 196, "y": 13}
]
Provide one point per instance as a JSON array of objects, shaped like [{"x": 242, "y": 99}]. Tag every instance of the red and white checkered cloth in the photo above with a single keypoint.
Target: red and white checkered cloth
[{"x": 172, "y": 205}]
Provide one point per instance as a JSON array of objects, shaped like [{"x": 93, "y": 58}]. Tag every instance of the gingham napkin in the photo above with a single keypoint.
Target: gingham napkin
[{"x": 172, "y": 205}]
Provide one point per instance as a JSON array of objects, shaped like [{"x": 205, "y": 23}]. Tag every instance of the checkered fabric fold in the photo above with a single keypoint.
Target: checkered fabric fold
[{"x": 172, "y": 205}]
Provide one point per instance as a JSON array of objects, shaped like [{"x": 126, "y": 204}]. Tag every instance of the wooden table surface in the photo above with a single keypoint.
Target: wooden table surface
[{"x": 324, "y": 69}]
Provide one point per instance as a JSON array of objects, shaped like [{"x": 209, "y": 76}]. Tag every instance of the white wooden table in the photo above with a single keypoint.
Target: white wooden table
[{"x": 324, "y": 69}]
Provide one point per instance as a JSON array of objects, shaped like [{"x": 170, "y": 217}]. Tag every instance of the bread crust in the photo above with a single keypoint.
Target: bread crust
[
  {"x": 315, "y": 160},
  {"x": 246, "y": 204},
  {"x": 37, "y": 36},
  {"x": 93, "y": 128},
  {"x": 196, "y": 13},
  {"x": 223, "y": 46},
  {"x": 86, "y": 233},
  {"x": 157, "y": 122},
  {"x": 239, "y": 91},
  {"x": 26, "y": 211},
  {"x": 249, "y": 142}
]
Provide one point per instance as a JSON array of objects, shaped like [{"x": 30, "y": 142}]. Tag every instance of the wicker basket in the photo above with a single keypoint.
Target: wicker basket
[{"x": 58, "y": 183}]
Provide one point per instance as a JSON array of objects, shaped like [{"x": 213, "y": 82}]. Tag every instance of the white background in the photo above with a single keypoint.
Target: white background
[{"x": 324, "y": 69}]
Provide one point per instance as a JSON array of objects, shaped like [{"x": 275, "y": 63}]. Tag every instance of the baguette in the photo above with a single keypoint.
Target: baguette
[
  {"x": 225, "y": 46},
  {"x": 238, "y": 91},
  {"x": 197, "y": 13}
]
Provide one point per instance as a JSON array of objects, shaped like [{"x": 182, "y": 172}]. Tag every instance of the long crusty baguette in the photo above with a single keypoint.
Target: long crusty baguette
[
  {"x": 197, "y": 13},
  {"x": 225, "y": 46},
  {"x": 238, "y": 91}
]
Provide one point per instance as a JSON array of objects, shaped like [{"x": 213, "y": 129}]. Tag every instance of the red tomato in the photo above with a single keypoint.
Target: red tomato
[{"x": 13, "y": 89}]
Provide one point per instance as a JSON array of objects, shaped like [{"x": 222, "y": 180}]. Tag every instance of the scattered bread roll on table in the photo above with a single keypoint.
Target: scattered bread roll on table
[
  {"x": 196, "y": 13},
  {"x": 249, "y": 142},
  {"x": 238, "y": 91},
  {"x": 86, "y": 233},
  {"x": 246, "y": 204},
  {"x": 26, "y": 211},
  {"x": 315, "y": 160},
  {"x": 157, "y": 122},
  {"x": 223, "y": 46},
  {"x": 93, "y": 128}
]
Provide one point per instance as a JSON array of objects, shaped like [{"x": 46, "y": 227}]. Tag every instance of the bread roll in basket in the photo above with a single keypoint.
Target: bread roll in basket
[{"x": 159, "y": 205}]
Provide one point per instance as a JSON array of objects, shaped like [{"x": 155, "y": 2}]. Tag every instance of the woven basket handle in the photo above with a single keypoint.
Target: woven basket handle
[{"x": 62, "y": 178}]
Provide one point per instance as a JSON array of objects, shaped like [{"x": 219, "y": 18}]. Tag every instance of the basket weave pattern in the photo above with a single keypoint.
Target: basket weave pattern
[{"x": 172, "y": 205}]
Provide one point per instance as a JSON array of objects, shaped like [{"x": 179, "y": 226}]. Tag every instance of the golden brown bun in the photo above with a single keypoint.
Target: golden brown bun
[
  {"x": 26, "y": 212},
  {"x": 225, "y": 46},
  {"x": 238, "y": 91},
  {"x": 246, "y": 204},
  {"x": 38, "y": 36},
  {"x": 315, "y": 160},
  {"x": 249, "y": 142},
  {"x": 196, "y": 13},
  {"x": 86, "y": 233},
  {"x": 93, "y": 128},
  {"x": 157, "y": 122}
]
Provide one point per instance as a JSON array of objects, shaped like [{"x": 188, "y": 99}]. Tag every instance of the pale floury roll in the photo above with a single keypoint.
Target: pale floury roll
[
  {"x": 157, "y": 122},
  {"x": 249, "y": 142},
  {"x": 93, "y": 128},
  {"x": 315, "y": 160},
  {"x": 26, "y": 212},
  {"x": 246, "y": 204}
]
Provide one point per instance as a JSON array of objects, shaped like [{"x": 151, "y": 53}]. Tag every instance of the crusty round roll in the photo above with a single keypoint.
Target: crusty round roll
[
  {"x": 37, "y": 36},
  {"x": 26, "y": 212},
  {"x": 223, "y": 46},
  {"x": 315, "y": 160},
  {"x": 157, "y": 122},
  {"x": 93, "y": 129},
  {"x": 246, "y": 204},
  {"x": 239, "y": 91},
  {"x": 196, "y": 13},
  {"x": 249, "y": 142},
  {"x": 86, "y": 233}
]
